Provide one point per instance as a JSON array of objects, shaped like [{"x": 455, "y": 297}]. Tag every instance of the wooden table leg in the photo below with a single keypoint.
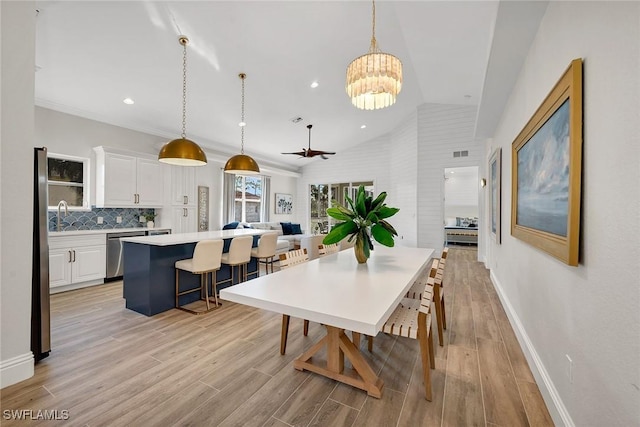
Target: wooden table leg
[{"x": 338, "y": 347}]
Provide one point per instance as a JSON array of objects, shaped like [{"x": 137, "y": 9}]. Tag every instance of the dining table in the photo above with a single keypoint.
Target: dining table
[{"x": 343, "y": 295}]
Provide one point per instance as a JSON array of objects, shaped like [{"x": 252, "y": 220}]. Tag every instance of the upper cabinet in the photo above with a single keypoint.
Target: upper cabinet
[
  {"x": 125, "y": 179},
  {"x": 183, "y": 186}
]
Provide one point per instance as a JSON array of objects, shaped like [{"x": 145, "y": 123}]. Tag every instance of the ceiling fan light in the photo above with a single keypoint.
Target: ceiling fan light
[
  {"x": 182, "y": 152},
  {"x": 241, "y": 164}
]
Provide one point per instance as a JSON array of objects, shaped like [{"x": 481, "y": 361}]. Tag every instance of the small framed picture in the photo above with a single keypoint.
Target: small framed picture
[{"x": 284, "y": 203}]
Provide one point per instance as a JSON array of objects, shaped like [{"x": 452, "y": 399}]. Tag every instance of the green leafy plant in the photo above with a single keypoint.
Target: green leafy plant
[
  {"x": 150, "y": 216},
  {"x": 365, "y": 219}
]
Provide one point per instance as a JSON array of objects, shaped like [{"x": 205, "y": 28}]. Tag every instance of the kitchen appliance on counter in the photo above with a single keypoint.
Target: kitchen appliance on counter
[{"x": 115, "y": 263}]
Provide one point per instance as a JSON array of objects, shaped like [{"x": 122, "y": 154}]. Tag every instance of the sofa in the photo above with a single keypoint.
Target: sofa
[{"x": 293, "y": 240}]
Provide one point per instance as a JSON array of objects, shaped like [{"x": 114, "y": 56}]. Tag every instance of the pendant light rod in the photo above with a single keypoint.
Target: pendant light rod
[
  {"x": 182, "y": 151},
  {"x": 241, "y": 164}
]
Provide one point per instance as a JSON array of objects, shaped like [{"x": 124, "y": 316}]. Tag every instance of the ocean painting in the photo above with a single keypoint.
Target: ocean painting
[{"x": 543, "y": 176}]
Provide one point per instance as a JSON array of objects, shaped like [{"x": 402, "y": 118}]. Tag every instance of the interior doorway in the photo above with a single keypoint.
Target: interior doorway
[{"x": 461, "y": 206}]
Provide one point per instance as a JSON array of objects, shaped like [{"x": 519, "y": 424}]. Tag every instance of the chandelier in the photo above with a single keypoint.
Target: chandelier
[
  {"x": 183, "y": 151},
  {"x": 241, "y": 164},
  {"x": 375, "y": 79}
]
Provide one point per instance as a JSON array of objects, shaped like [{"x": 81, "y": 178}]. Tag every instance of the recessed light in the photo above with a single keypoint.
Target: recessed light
[
  {"x": 363, "y": 126},
  {"x": 242, "y": 124},
  {"x": 315, "y": 84},
  {"x": 452, "y": 172},
  {"x": 128, "y": 101}
]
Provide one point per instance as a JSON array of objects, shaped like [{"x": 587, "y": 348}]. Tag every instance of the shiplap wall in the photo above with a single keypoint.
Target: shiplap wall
[
  {"x": 442, "y": 129},
  {"x": 403, "y": 185}
]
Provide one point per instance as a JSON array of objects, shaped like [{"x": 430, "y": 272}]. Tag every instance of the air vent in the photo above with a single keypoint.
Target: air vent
[
  {"x": 464, "y": 153},
  {"x": 296, "y": 119}
]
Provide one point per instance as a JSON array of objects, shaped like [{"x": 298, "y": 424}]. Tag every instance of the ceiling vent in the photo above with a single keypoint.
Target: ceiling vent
[
  {"x": 296, "y": 120},
  {"x": 464, "y": 153}
]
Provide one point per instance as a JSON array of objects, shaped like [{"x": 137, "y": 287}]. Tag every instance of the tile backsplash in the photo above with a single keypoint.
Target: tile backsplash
[{"x": 85, "y": 220}]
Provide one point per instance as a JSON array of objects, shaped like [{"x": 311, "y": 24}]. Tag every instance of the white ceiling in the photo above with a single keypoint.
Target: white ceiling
[{"x": 91, "y": 55}]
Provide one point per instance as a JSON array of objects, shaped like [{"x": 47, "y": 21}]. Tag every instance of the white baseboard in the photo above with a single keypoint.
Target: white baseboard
[
  {"x": 550, "y": 394},
  {"x": 16, "y": 369}
]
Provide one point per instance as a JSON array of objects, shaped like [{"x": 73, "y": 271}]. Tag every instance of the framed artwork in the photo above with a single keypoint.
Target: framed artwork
[
  {"x": 203, "y": 208},
  {"x": 284, "y": 203},
  {"x": 495, "y": 192},
  {"x": 546, "y": 162}
]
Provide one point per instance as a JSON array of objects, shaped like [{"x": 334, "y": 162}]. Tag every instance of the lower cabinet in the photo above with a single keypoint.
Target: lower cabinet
[
  {"x": 184, "y": 220},
  {"x": 76, "y": 259}
]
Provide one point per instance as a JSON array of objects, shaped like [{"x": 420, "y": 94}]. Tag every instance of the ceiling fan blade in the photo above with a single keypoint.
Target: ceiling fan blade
[{"x": 298, "y": 153}]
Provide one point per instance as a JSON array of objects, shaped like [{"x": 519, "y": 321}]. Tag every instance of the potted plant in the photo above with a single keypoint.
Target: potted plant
[
  {"x": 150, "y": 216},
  {"x": 365, "y": 219}
]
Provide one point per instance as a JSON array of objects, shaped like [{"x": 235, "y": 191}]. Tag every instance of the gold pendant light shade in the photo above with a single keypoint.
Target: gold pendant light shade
[
  {"x": 183, "y": 151},
  {"x": 241, "y": 164},
  {"x": 374, "y": 80}
]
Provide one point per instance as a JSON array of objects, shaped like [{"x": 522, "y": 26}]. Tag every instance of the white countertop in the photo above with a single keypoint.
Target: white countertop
[
  {"x": 181, "y": 238},
  {"x": 102, "y": 231},
  {"x": 335, "y": 290}
]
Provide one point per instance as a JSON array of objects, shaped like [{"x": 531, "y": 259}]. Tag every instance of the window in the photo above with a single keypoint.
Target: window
[
  {"x": 68, "y": 180},
  {"x": 248, "y": 198},
  {"x": 322, "y": 196}
]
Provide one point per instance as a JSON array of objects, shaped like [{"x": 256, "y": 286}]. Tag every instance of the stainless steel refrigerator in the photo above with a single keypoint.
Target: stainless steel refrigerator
[{"x": 40, "y": 309}]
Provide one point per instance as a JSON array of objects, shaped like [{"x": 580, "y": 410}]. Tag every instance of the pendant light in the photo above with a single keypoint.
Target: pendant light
[
  {"x": 375, "y": 79},
  {"x": 241, "y": 164},
  {"x": 182, "y": 151}
]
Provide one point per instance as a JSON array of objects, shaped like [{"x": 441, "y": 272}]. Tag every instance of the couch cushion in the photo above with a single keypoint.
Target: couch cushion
[
  {"x": 286, "y": 228},
  {"x": 295, "y": 229}
]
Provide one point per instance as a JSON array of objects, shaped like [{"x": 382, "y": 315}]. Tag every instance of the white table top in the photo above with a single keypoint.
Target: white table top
[
  {"x": 336, "y": 290},
  {"x": 181, "y": 238}
]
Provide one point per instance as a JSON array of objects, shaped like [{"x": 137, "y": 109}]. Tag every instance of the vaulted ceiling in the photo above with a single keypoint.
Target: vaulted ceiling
[{"x": 91, "y": 55}]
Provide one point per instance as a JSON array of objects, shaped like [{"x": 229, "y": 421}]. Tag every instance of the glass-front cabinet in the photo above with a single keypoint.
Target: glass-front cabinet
[{"x": 323, "y": 196}]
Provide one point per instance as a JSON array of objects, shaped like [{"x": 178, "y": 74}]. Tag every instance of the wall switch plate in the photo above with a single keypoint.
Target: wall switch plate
[
  {"x": 142, "y": 219},
  {"x": 119, "y": 219},
  {"x": 100, "y": 220}
]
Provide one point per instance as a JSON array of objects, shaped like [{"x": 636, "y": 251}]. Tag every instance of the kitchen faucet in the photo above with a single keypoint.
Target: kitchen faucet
[{"x": 66, "y": 211}]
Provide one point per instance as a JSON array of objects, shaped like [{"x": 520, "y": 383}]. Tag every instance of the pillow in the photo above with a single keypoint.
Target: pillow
[
  {"x": 295, "y": 229},
  {"x": 245, "y": 225},
  {"x": 230, "y": 226},
  {"x": 286, "y": 228}
]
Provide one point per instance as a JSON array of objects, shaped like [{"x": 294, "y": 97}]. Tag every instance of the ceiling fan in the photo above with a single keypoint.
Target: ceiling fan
[{"x": 309, "y": 153}]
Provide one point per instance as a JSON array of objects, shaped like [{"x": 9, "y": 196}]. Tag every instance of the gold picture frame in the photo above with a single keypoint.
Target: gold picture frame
[{"x": 546, "y": 164}]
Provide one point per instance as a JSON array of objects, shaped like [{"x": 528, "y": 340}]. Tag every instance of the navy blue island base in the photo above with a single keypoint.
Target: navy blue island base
[{"x": 149, "y": 273}]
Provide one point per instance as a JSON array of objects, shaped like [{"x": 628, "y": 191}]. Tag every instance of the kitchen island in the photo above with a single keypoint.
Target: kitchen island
[{"x": 149, "y": 274}]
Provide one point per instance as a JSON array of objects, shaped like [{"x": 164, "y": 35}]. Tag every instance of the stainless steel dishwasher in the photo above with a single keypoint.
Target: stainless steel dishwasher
[{"x": 114, "y": 251}]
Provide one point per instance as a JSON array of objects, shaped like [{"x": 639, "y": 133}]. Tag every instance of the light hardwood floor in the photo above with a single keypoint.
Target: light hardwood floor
[{"x": 113, "y": 367}]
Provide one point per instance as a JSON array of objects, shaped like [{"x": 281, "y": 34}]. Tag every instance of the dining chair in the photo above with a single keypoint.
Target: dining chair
[
  {"x": 288, "y": 260},
  {"x": 265, "y": 252},
  {"x": 239, "y": 256},
  {"x": 206, "y": 259},
  {"x": 328, "y": 249},
  {"x": 412, "y": 319}
]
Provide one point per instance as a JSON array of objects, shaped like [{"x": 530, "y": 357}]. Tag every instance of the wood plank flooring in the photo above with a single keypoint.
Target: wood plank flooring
[{"x": 114, "y": 367}]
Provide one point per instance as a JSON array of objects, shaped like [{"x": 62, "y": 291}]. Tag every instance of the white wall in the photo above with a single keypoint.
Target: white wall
[
  {"x": 287, "y": 185},
  {"x": 589, "y": 312},
  {"x": 17, "y": 32},
  {"x": 442, "y": 129},
  {"x": 461, "y": 192}
]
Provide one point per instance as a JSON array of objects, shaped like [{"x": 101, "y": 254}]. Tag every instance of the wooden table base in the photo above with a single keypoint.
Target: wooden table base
[{"x": 338, "y": 346}]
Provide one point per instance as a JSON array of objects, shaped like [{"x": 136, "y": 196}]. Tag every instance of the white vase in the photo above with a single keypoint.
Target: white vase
[{"x": 150, "y": 224}]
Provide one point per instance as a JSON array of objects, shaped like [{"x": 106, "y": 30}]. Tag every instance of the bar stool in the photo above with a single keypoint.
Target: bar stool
[
  {"x": 265, "y": 252},
  {"x": 206, "y": 259},
  {"x": 239, "y": 256}
]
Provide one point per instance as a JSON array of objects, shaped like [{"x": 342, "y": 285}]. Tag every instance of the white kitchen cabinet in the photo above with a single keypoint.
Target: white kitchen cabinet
[
  {"x": 125, "y": 179},
  {"x": 184, "y": 220},
  {"x": 76, "y": 259},
  {"x": 183, "y": 186}
]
